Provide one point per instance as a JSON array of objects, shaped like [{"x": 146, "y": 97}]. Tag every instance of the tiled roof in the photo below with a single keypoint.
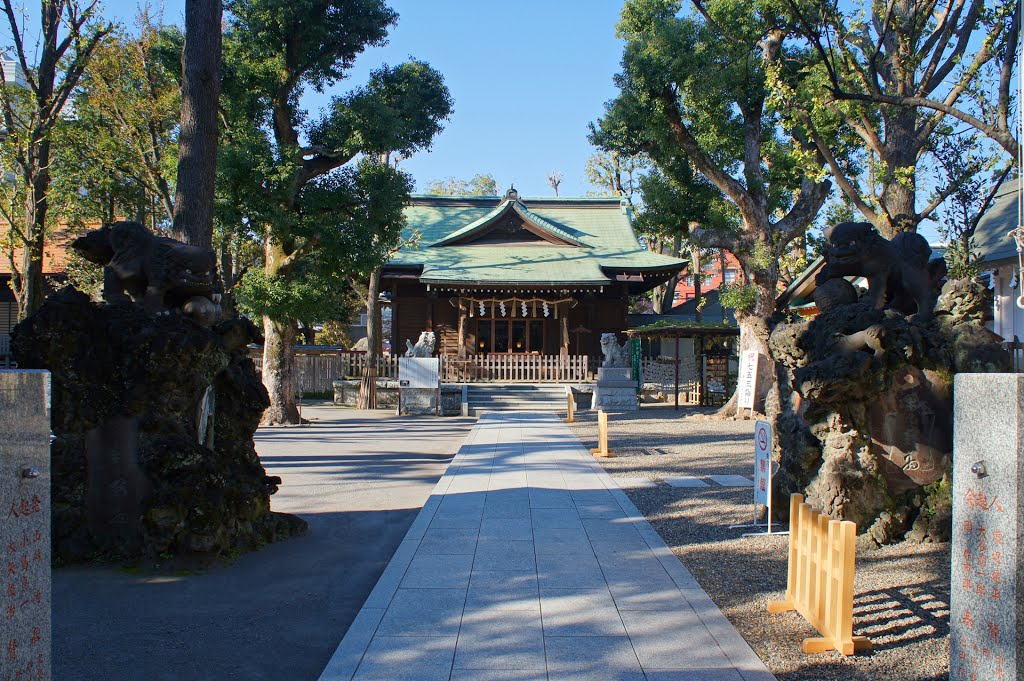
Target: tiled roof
[
  {"x": 601, "y": 226},
  {"x": 991, "y": 235}
]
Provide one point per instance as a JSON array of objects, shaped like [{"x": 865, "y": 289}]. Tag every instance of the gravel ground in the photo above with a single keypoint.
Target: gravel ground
[{"x": 901, "y": 599}]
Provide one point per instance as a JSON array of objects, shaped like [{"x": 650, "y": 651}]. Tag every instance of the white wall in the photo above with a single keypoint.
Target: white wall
[{"x": 1008, "y": 319}]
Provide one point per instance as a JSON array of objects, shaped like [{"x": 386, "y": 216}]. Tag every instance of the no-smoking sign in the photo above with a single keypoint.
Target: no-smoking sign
[{"x": 762, "y": 462}]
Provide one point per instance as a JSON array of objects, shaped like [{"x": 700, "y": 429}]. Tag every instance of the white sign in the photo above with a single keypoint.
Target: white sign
[
  {"x": 748, "y": 379},
  {"x": 763, "y": 463},
  {"x": 419, "y": 372}
]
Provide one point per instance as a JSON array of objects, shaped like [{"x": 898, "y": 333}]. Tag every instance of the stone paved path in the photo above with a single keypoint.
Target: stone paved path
[{"x": 528, "y": 562}]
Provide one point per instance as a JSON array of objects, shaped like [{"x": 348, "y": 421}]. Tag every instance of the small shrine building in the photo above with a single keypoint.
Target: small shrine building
[{"x": 511, "y": 276}]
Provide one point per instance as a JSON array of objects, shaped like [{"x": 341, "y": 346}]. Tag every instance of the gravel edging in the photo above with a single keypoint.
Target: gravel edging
[{"x": 901, "y": 597}]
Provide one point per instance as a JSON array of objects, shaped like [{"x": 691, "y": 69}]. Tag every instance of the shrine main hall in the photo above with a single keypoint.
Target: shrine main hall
[{"x": 511, "y": 276}]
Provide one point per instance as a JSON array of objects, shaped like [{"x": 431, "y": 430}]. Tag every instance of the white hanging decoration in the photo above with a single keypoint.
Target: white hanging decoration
[
  {"x": 545, "y": 307},
  {"x": 524, "y": 308},
  {"x": 1013, "y": 281},
  {"x": 482, "y": 310},
  {"x": 501, "y": 306}
]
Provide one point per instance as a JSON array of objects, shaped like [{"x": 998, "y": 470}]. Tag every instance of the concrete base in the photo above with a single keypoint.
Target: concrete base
[
  {"x": 346, "y": 393},
  {"x": 615, "y": 390}
]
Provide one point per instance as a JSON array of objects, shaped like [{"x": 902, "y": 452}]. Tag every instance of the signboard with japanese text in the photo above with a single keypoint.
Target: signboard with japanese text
[
  {"x": 748, "y": 379},
  {"x": 25, "y": 529},
  {"x": 763, "y": 463},
  {"x": 419, "y": 372}
]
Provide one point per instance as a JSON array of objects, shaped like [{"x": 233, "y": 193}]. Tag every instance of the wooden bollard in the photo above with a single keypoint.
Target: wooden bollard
[
  {"x": 602, "y": 436},
  {"x": 571, "y": 408},
  {"x": 822, "y": 552}
]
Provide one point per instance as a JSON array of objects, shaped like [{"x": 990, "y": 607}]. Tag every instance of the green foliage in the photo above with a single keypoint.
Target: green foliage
[
  {"x": 962, "y": 259},
  {"x": 85, "y": 276},
  {"x": 334, "y": 332},
  {"x": 327, "y": 209},
  {"x": 120, "y": 151},
  {"x": 481, "y": 184},
  {"x": 737, "y": 296},
  {"x": 615, "y": 173}
]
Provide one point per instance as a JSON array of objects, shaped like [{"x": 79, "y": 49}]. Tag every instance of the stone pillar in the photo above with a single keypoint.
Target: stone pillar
[
  {"x": 987, "y": 580},
  {"x": 25, "y": 642}
]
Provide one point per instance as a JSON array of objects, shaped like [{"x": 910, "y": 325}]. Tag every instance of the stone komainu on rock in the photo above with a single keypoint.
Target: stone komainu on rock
[
  {"x": 899, "y": 273},
  {"x": 424, "y": 346},
  {"x": 159, "y": 272}
]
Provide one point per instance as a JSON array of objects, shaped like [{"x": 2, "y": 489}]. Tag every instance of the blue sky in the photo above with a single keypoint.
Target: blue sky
[{"x": 526, "y": 78}]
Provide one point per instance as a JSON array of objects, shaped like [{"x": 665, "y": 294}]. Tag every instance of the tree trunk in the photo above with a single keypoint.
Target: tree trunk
[
  {"x": 37, "y": 179},
  {"x": 279, "y": 372},
  {"x": 368, "y": 383},
  {"x": 197, "y": 149},
  {"x": 698, "y": 278},
  {"x": 721, "y": 265},
  {"x": 754, "y": 336}
]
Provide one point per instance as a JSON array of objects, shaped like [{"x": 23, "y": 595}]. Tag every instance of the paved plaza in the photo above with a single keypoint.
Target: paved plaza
[{"x": 528, "y": 562}]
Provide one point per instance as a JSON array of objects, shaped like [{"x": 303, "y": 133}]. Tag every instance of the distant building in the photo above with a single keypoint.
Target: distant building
[
  {"x": 13, "y": 73},
  {"x": 998, "y": 252},
  {"x": 712, "y": 278}
]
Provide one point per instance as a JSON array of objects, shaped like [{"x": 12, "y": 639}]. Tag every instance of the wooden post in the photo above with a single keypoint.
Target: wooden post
[
  {"x": 602, "y": 450},
  {"x": 462, "y": 328},
  {"x": 571, "y": 406},
  {"x": 677, "y": 372},
  {"x": 564, "y": 352}
]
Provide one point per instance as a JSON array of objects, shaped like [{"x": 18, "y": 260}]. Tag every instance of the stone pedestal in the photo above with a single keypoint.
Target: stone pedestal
[
  {"x": 25, "y": 529},
  {"x": 418, "y": 401},
  {"x": 986, "y": 612},
  {"x": 615, "y": 390}
]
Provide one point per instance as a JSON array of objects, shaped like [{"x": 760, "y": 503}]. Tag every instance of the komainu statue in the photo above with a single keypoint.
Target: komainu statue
[
  {"x": 615, "y": 355},
  {"x": 161, "y": 273},
  {"x": 424, "y": 346},
  {"x": 898, "y": 271}
]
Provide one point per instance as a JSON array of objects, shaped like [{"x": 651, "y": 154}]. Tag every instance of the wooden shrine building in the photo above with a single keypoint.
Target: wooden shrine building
[{"x": 517, "y": 278}]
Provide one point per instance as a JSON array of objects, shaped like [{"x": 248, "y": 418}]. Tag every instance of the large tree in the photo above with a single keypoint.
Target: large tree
[
  {"x": 887, "y": 84},
  {"x": 314, "y": 189},
  {"x": 697, "y": 86},
  {"x": 197, "y": 147},
  {"x": 68, "y": 36}
]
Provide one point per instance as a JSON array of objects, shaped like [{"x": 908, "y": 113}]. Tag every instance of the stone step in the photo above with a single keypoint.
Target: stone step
[{"x": 515, "y": 397}]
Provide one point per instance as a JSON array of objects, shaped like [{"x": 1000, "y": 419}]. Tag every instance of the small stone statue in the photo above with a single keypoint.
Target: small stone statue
[
  {"x": 615, "y": 355},
  {"x": 424, "y": 346},
  {"x": 161, "y": 273}
]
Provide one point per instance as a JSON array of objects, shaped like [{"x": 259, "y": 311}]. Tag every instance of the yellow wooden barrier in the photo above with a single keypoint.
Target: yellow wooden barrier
[
  {"x": 602, "y": 436},
  {"x": 571, "y": 415},
  {"x": 820, "y": 583}
]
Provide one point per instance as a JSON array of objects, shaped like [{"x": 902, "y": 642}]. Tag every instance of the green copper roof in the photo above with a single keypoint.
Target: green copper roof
[
  {"x": 601, "y": 227},
  {"x": 504, "y": 207}
]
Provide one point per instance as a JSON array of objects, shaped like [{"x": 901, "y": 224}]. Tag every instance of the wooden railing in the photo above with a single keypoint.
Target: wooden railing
[
  {"x": 515, "y": 367},
  {"x": 317, "y": 371},
  {"x": 318, "y": 368},
  {"x": 822, "y": 552}
]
